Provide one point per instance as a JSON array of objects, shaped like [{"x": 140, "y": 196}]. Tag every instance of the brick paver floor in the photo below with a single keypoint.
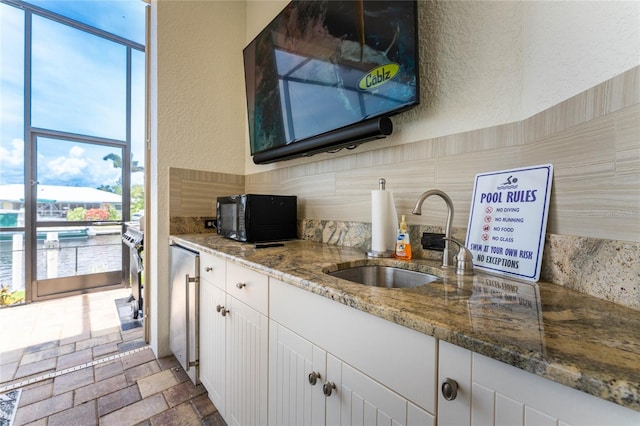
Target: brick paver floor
[{"x": 76, "y": 366}]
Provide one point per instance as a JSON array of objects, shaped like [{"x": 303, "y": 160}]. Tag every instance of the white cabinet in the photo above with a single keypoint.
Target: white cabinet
[
  {"x": 360, "y": 400},
  {"x": 247, "y": 368},
  {"x": 308, "y": 386},
  {"x": 250, "y": 287},
  {"x": 234, "y": 333},
  {"x": 212, "y": 343},
  {"x": 247, "y": 346},
  {"x": 394, "y": 382},
  {"x": 213, "y": 328},
  {"x": 493, "y": 393},
  {"x": 297, "y": 370},
  {"x": 454, "y": 363},
  {"x": 272, "y": 353}
]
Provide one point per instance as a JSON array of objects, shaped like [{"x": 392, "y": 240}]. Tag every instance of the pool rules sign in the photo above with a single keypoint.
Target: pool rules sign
[{"x": 508, "y": 221}]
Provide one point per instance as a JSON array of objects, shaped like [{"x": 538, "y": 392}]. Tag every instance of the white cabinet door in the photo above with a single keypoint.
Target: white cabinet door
[
  {"x": 454, "y": 363},
  {"x": 493, "y": 393},
  {"x": 360, "y": 400},
  {"x": 234, "y": 341},
  {"x": 247, "y": 365},
  {"x": 510, "y": 396},
  {"x": 297, "y": 369},
  {"x": 212, "y": 343},
  {"x": 401, "y": 358},
  {"x": 351, "y": 397}
]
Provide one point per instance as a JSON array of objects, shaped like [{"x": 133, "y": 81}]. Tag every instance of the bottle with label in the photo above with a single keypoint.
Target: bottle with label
[{"x": 403, "y": 245}]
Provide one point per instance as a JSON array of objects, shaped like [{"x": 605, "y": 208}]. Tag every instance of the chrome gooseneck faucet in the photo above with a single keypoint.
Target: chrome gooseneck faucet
[{"x": 417, "y": 210}]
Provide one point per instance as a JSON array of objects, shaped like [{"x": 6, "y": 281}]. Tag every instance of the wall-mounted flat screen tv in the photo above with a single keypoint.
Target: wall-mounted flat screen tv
[{"x": 321, "y": 70}]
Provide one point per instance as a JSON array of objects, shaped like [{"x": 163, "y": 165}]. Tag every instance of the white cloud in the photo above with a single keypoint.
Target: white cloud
[
  {"x": 80, "y": 167},
  {"x": 76, "y": 151},
  {"x": 12, "y": 157},
  {"x": 66, "y": 166}
]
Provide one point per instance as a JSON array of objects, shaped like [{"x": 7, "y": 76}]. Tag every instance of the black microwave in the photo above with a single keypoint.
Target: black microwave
[{"x": 257, "y": 218}]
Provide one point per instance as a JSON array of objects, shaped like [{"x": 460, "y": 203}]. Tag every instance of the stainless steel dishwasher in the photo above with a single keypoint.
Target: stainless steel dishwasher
[{"x": 183, "y": 320}]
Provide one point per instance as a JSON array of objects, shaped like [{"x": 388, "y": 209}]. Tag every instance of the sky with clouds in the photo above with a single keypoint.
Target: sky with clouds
[{"x": 78, "y": 86}]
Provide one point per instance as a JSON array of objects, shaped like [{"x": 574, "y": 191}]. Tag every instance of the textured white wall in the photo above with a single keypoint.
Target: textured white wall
[
  {"x": 571, "y": 46},
  {"x": 471, "y": 68},
  {"x": 486, "y": 63},
  {"x": 202, "y": 86},
  {"x": 198, "y": 119}
]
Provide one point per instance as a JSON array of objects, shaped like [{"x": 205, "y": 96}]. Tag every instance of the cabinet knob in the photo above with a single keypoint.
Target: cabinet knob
[
  {"x": 208, "y": 268},
  {"x": 449, "y": 389},
  {"x": 222, "y": 310},
  {"x": 241, "y": 285},
  {"x": 313, "y": 378},
  {"x": 328, "y": 388}
]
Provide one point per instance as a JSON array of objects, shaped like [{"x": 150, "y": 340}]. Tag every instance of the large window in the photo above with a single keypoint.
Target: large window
[
  {"x": 12, "y": 80},
  {"x": 72, "y": 138},
  {"x": 83, "y": 76}
]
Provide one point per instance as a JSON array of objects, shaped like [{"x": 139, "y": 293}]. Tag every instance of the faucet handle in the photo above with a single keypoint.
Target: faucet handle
[{"x": 464, "y": 258}]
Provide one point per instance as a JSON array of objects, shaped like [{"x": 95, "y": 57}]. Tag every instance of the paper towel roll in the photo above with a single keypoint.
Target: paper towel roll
[{"x": 384, "y": 221}]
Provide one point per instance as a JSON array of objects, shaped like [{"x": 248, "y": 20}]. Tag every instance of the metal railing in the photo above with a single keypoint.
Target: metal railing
[{"x": 61, "y": 259}]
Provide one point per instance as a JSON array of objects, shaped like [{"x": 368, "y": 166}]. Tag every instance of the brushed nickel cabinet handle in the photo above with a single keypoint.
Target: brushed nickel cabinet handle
[
  {"x": 313, "y": 378},
  {"x": 328, "y": 388},
  {"x": 449, "y": 389}
]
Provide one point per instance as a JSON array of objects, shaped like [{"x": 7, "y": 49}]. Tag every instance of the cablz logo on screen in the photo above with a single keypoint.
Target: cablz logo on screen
[{"x": 378, "y": 76}]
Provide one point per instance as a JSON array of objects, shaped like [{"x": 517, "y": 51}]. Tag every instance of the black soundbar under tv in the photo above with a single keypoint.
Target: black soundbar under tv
[{"x": 349, "y": 137}]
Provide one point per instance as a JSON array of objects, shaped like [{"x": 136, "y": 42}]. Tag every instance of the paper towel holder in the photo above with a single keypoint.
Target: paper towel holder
[{"x": 387, "y": 253}]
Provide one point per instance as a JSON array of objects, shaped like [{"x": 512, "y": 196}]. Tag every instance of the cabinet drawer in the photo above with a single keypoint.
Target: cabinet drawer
[
  {"x": 212, "y": 269},
  {"x": 250, "y": 287}
]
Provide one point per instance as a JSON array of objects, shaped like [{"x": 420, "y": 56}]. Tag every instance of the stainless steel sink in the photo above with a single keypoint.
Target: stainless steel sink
[{"x": 384, "y": 276}]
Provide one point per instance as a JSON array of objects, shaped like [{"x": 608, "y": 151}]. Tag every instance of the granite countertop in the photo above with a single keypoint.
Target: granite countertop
[{"x": 565, "y": 336}]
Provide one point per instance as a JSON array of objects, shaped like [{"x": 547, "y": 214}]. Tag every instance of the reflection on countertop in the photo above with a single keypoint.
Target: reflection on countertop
[{"x": 568, "y": 337}]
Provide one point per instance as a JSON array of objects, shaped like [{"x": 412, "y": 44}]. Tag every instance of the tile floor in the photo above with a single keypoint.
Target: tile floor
[{"x": 76, "y": 366}]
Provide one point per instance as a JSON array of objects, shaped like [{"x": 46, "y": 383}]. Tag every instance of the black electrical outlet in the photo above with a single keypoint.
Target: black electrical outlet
[
  {"x": 431, "y": 241},
  {"x": 209, "y": 224}
]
